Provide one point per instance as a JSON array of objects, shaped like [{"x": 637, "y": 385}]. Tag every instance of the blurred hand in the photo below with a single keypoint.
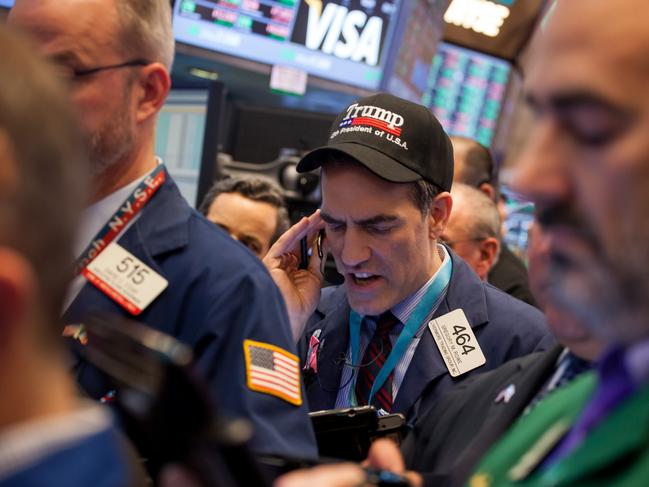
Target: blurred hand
[
  {"x": 176, "y": 475},
  {"x": 337, "y": 475},
  {"x": 299, "y": 287},
  {"x": 384, "y": 454}
]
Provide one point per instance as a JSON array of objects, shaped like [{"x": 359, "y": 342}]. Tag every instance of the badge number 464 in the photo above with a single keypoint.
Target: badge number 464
[{"x": 457, "y": 343}]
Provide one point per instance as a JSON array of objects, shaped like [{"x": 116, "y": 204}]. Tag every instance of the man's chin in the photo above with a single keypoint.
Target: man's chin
[
  {"x": 366, "y": 307},
  {"x": 599, "y": 304}
]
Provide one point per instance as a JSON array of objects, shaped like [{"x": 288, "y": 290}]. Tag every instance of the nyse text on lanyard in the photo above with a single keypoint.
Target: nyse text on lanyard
[
  {"x": 405, "y": 337},
  {"x": 131, "y": 206}
]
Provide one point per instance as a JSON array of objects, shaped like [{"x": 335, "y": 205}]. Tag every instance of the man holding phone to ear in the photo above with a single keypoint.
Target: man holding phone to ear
[{"x": 411, "y": 318}]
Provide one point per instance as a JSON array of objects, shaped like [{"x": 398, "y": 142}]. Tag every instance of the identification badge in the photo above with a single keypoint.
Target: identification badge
[
  {"x": 457, "y": 343},
  {"x": 125, "y": 278}
]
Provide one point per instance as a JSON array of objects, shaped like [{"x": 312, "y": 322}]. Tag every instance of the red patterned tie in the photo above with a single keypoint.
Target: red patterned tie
[{"x": 376, "y": 354}]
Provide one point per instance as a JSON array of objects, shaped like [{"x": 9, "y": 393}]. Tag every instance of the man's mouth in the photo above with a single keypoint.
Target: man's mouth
[{"x": 363, "y": 278}]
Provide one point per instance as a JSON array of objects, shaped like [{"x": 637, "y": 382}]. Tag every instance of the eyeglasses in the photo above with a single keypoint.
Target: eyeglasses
[{"x": 81, "y": 73}]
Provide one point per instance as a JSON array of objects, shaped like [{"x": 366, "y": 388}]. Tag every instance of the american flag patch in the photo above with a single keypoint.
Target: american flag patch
[{"x": 272, "y": 370}]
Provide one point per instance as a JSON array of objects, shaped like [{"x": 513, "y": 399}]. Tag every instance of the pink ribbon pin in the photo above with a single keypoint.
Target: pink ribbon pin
[{"x": 312, "y": 360}]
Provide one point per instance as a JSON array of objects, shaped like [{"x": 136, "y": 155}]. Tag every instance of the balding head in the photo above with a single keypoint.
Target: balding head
[
  {"x": 587, "y": 162},
  {"x": 473, "y": 228},
  {"x": 474, "y": 166}
]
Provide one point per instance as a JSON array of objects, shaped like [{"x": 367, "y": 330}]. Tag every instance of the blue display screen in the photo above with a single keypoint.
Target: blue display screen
[
  {"x": 343, "y": 40},
  {"x": 7, "y": 3},
  {"x": 466, "y": 91}
]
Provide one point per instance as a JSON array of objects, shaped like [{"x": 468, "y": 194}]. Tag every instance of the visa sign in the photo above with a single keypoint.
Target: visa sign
[{"x": 343, "y": 32}]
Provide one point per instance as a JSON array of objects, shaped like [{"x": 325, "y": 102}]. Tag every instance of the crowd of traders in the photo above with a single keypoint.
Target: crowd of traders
[{"x": 495, "y": 391}]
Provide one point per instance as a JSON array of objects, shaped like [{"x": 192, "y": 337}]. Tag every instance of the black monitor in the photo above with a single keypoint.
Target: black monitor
[{"x": 258, "y": 134}]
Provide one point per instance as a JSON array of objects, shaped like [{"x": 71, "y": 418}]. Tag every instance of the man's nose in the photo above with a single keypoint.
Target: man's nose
[
  {"x": 541, "y": 174},
  {"x": 355, "y": 250}
]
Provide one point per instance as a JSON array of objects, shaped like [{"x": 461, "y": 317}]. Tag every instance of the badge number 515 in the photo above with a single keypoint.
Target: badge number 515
[{"x": 132, "y": 271}]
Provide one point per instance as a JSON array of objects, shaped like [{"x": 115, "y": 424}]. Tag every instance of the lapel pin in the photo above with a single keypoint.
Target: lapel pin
[{"x": 506, "y": 394}]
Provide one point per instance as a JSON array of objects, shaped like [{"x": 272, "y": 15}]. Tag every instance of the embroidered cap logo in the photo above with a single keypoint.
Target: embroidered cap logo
[{"x": 373, "y": 116}]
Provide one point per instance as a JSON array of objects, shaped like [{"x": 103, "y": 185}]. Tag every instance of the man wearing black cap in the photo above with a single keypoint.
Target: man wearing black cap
[{"x": 411, "y": 318}]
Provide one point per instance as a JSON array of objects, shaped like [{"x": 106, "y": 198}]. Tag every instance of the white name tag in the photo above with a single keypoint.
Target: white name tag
[
  {"x": 125, "y": 278},
  {"x": 457, "y": 343}
]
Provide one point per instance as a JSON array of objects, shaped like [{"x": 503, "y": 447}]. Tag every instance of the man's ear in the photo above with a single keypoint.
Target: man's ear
[
  {"x": 18, "y": 291},
  {"x": 489, "y": 190},
  {"x": 489, "y": 251},
  {"x": 439, "y": 213},
  {"x": 152, "y": 86}
]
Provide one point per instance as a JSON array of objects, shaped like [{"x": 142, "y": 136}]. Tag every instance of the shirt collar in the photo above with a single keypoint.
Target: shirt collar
[
  {"x": 637, "y": 362},
  {"x": 95, "y": 216},
  {"x": 404, "y": 309}
]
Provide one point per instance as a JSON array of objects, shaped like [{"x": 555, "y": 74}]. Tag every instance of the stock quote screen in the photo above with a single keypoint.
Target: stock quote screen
[
  {"x": 466, "y": 91},
  {"x": 344, "y": 41}
]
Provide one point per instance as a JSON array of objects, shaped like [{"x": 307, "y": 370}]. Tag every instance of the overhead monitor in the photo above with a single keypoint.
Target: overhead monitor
[
  {"x": 341, "y": 40},
  {"x": 466, "y": 91}
]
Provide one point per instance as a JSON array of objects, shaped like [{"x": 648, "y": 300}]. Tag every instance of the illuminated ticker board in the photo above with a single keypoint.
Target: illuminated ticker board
[
  {"x": 342, "y": 40},
  {"x": 466, "y": 91}
]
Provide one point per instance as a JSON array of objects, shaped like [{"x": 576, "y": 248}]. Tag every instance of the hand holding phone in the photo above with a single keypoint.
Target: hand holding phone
[{"x": 299, "y": 286}]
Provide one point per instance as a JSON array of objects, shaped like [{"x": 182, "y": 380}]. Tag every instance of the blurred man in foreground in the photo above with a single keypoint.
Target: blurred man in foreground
[
  {"x": 251, "y": 209},
  {"x": 142, "y": 251},
  {"x": 47, "y": 434},
  {"x": 473, "y": 231}
]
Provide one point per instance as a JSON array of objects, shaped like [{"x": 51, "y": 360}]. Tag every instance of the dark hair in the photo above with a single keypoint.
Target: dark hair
[
  {"x": 422, "y": 193},
  {"x": 41, "y": 150},
  {"x": 253, "y": 188},
  {"x": 479, "y": 167}
]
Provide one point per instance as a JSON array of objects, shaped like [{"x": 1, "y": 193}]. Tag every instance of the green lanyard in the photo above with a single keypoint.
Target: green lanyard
[{"x": 405, "y": 337}]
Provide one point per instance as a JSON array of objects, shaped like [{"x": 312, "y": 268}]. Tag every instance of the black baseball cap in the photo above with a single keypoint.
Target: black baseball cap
[{"x": 396, "y": 139}]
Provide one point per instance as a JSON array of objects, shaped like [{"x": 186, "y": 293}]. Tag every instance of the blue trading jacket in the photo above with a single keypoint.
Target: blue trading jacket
[{"x": 218, "y": 295}]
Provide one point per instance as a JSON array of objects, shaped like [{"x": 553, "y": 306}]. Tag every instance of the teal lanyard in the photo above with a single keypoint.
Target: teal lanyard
[{"x": 405, "y": 337}]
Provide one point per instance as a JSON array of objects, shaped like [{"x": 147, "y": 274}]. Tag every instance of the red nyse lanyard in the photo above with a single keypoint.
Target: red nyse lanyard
[{"x": 124, "y": 214}]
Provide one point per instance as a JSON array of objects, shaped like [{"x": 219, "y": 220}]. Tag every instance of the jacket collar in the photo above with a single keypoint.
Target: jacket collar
[{"x": 164, "y": 225}]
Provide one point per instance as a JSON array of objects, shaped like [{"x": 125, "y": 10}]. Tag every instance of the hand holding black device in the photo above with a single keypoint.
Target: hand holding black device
[{"x": 348, "y": 433}]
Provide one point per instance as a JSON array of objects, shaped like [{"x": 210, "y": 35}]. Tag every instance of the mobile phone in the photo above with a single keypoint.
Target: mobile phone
[
  {"x": 304, "y": 254},
  {"x": 304, "y": 251}
]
